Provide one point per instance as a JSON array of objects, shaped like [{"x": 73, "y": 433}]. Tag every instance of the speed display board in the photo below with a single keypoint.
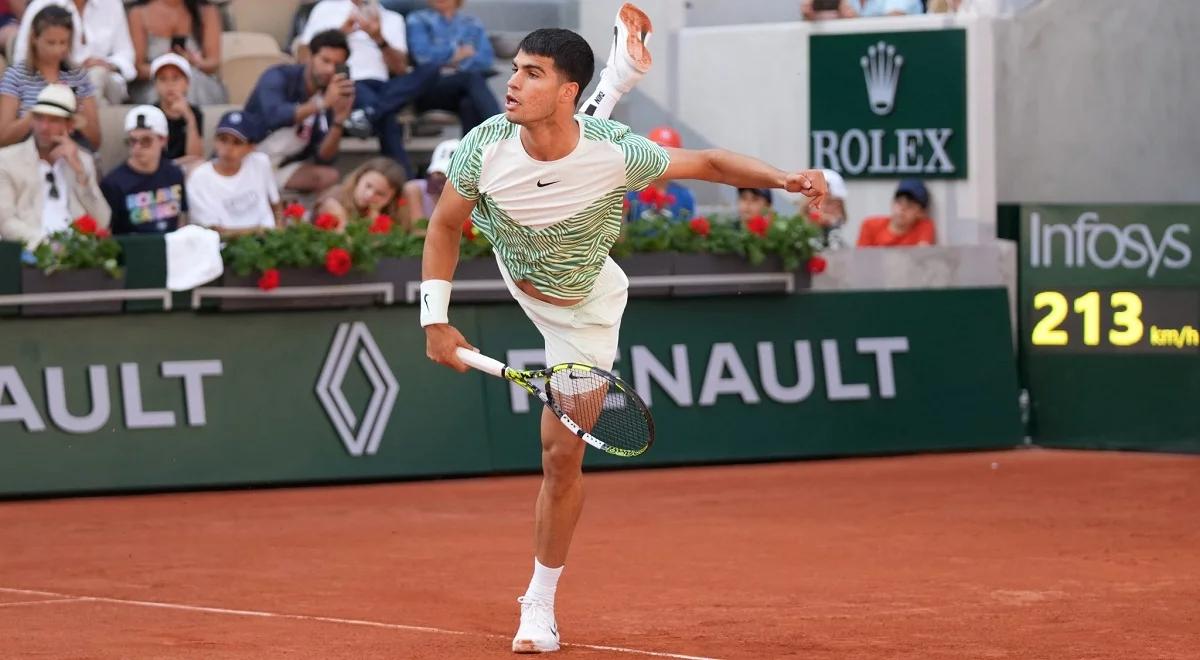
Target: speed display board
[{"x": 1110, "y": 324}]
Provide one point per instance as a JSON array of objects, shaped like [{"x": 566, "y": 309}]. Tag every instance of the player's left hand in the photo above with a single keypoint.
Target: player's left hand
[{"x": 811, "y": 184}]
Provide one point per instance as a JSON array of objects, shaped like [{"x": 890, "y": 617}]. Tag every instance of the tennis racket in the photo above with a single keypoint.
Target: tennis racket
[{"x": 595, "y": 405}]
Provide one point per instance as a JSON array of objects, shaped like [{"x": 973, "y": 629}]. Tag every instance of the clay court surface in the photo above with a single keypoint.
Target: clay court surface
[{"x": 1049, "y": 555}]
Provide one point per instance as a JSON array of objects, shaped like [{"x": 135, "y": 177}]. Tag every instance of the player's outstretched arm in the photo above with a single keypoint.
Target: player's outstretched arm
[
  {"x": 438, "y": 262},
  {"x": 722, "y": 166}
]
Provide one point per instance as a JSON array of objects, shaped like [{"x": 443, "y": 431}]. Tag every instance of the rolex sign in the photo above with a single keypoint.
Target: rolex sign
[{"x": 890, "y": 104}]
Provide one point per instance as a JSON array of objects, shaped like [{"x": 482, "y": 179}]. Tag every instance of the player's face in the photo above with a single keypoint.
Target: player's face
[{"x": 536, "y": 90}]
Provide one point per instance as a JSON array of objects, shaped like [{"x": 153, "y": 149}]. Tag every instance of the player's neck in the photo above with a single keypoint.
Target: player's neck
[{"x": 551, "y": 139}]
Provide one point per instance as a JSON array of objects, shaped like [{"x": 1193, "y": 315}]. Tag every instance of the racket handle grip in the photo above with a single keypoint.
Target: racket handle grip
[{"x": 481, "y": 362}]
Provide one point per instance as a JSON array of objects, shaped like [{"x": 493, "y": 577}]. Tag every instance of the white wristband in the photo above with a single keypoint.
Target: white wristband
[{"x": 434, "y": 302}]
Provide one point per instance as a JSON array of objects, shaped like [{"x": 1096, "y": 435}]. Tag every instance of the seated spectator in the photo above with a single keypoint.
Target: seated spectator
[
  {"x": 10, "y": 21},
  {"x": 185, "y": 122},
  {"x": 101, "y": 44},
  {"x": 662, "y": 196},
  {"x": 47, "y": 181},
  {"x": 46, "y": 62},
  {"x": 458, "y": 44},
  {"x": 908, "y": 224},
  {"x": 235, "y": 193},
  {"x": 383, "y": 81},
  {"x": 753, "y": 202},
  {"x": 146, "y": 192},
  {"x": 372, "y": 190},
  {"x": 188, "y": 28},
  {"x": 867, "y": 8},
  {"x": 820, "y": 10},
  {"x": 302, "y": 108},
  {"x": 421, "y": 195}
]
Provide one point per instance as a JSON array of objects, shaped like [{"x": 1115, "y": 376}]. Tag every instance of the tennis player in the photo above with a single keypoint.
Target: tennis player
[{"x": 545, "y": 185}]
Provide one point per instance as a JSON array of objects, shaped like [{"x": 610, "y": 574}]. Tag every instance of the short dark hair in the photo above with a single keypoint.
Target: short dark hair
[
  {"x": 329, "y": 39},
  {"x": 571, "y": 54}
]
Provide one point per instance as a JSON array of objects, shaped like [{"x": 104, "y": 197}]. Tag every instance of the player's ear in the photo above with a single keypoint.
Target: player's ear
[{"x": 568, "y": 93}]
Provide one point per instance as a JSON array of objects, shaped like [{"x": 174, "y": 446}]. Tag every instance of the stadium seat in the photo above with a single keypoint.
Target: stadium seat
[
  {"x": 273, "y": 17},
  {"x": 242, "y": 44},
  {"x": 112, "y": 129},
  {"x": 240, "y": 74}
]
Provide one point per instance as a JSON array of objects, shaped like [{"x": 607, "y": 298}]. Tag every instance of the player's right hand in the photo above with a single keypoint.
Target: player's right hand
[{"x": 441, "y": 341}]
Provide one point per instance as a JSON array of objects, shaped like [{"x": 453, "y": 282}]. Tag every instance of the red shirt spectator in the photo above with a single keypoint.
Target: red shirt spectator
[{"x": 909, "y": 223}]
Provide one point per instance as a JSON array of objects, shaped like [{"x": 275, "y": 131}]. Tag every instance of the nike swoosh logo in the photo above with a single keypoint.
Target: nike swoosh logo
[
  {"x": 427, "y": 303},
  {"x": 543, "y": 185},
  {"x": 554, "y": 630}
]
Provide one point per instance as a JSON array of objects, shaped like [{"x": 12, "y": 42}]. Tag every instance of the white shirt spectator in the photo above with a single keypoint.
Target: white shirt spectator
[
  {"x": 105, "y": 33},
  {"x": 241, "y": 201},
  {"x": 366, "y": 58},
  {"x": 886, "y": 7},
  {"x": 56, "y": 211}
]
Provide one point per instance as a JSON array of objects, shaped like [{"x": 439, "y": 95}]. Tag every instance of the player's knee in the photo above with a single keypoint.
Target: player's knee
[{"x": 562, "y": 462}]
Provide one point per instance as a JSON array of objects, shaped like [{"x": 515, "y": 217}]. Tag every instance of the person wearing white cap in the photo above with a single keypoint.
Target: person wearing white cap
[
  {"x": 47, "y": 181},
  {"x": 185, "y": 139},
  {"x": 422, "y": 195},
  {"x": 146, "y": 192},
  {"x": 101, "y": 43}
]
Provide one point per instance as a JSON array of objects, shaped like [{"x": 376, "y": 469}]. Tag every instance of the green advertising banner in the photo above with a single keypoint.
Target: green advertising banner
[
  {"x": 1110, "y": 325},
  {"x": 185, "y": 400},
  {"x": 889, "y": 104}
]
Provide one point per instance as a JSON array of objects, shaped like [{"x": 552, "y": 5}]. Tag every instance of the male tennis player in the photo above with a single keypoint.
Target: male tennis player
[{"x": 545, "y": 186}]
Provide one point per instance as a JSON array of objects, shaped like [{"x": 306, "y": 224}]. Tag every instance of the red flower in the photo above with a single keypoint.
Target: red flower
[
  {"x": 85, "y": 224},
  {"x": 758, "y": 225},
  {"x": 103, "y": 233},
  {"x": 667, "y": 200},
  {"x": 700, "y": 225},
  {"x": 817, "y": 264},
  {"x": 269, "y": 279},
  {"x": 650, "y": 196},
  {"x": 382, "y": 225},
  {"x": 295, "y": 210},
  {"x": 625, "y": 204},
  {"x": 400, "y": 201},
  {"x": 813, "y": 216},
  {"x": 469, "y": 230},
  {"x": 326, "y": 221},
  {"x": 337, "y": 261}
]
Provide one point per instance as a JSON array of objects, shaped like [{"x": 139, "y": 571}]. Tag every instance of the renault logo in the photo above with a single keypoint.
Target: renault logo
[{"x": 359, "y": 436}]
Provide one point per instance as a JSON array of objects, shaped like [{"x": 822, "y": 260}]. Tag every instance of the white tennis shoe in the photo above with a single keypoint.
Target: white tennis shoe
[
  {"x": 628, "y": 57},
  {"x": 538, "y": 632}
]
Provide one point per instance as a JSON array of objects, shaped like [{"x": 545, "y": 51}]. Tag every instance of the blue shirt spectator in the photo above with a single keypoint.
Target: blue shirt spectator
[
  {"x": 682, "y": 207},
  {"x": 887, "y": 7},
  {"x": 433, "y": 38}
]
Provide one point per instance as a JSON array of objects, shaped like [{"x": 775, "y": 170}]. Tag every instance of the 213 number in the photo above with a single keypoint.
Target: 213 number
[{"x": 1127, "y": 318}]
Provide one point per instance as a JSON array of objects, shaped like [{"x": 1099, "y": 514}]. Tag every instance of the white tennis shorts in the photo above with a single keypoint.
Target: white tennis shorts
[{"x": 585, "y": 332}]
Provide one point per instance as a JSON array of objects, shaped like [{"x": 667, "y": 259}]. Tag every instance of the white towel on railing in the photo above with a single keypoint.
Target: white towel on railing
[{"x": 193, "y": 257}]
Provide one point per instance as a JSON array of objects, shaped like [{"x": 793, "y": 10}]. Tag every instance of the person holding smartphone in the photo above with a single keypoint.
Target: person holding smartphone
[
  {"x": 188, "y": 28},
  {"x": 302, "y": 108}
]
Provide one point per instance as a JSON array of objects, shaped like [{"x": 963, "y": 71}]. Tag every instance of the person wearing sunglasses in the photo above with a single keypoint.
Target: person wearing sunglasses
[
  {"x": 47, "y": 180},
  {"x": 146, "y": 192}
]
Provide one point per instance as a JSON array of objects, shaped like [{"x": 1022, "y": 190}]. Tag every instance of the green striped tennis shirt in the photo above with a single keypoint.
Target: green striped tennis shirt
[{"x": 553, "y": 222}]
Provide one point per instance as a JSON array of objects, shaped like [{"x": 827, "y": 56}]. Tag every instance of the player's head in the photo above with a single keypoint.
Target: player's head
[{"x": 550, "y": 72}]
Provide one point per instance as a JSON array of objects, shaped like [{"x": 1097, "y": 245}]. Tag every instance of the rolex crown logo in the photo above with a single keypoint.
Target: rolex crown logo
[{"x": 881, "y": 69}]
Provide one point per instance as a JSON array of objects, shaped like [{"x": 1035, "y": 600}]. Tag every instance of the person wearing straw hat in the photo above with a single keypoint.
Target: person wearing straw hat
[{"x": 47, "y": 181}]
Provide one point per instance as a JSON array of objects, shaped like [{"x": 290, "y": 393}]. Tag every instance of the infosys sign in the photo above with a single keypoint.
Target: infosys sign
[
  {"x": 889, "y": 104},
  {"x": 1149, "y": 245}
]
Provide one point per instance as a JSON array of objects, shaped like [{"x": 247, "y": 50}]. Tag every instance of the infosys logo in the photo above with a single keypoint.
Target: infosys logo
[{"x": 1089, "y": 243}]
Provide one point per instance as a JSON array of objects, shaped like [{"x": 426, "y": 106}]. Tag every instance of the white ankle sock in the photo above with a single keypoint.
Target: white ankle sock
[
  {"x": 602, "y": 101},
  {"x": 544, "y": 582}
]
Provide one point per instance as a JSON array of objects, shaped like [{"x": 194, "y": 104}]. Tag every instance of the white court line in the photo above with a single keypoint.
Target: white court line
[
  {"x": 324, "y": 619},
  {"x": 43, "y": 602}
]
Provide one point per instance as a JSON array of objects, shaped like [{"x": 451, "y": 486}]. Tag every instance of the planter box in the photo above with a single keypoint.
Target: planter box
[
  {"x": 647, "y": 265},
  {"x": 712, "y": 264},
  {"x": 89, "y": 279},
  {"x": 299, "y": 277}
]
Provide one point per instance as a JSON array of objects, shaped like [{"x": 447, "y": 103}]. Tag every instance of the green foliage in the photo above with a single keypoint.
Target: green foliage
[{"x": 73, "y": 250}]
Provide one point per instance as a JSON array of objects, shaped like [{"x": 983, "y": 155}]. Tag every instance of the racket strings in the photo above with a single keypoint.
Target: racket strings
[{"x": 602, "y": 408}]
